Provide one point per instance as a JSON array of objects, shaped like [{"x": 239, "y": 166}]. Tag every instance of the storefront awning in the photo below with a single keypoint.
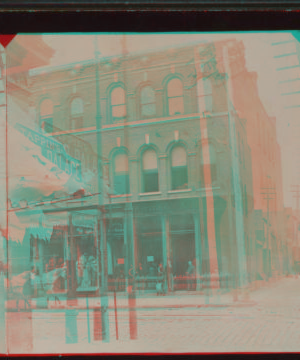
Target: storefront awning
[{"x": 41, "y": 232}]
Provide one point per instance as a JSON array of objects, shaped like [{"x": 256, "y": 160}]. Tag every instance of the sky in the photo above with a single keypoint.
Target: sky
[{"x": 259, "y": 56}]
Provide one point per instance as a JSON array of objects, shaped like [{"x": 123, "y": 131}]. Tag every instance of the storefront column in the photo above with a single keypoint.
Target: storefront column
[
  {"x": 130, "y": 244},
  {"x": 133, "y": 177},
  {"x": 166, "y": 243},
  {"x": 71, "y": 266},
  {"x": 198, "y": 250},
  {"x": 101, "y": 225}
]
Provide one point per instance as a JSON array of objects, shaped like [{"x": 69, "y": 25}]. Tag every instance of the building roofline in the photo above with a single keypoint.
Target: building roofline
[{"x": 92, "y": 61}]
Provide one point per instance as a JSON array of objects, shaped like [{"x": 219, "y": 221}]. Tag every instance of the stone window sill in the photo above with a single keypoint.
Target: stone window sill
[
  {"x": 120, "y": 196},
  {"x": 179, "y": 191},
  {"x": 150, "y": 193}
]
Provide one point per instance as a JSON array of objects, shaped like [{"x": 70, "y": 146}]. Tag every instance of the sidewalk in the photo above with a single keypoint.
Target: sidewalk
[
  {"x": 179, "y": 299},
  {"x": 147, "y": 301}
]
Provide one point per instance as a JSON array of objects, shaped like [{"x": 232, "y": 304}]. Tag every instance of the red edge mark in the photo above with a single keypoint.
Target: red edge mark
[{"x": 6, "y": 39}]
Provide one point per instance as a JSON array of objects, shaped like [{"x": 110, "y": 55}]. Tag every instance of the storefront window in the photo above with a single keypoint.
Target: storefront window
[
  {"x": 85, "y": 241},
  {"x": 183, "y": 242},
  {"x": 150, "y": 250}
]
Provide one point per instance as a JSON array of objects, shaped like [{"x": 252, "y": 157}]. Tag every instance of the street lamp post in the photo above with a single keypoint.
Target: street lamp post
[{"x": 101, "y": 215}]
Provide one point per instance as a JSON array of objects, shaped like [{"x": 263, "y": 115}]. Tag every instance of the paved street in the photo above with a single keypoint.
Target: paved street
[{"x": 273, "y": 324}]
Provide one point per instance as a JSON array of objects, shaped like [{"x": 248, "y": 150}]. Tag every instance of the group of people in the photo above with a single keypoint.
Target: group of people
[{"x": 86, "y": 271}]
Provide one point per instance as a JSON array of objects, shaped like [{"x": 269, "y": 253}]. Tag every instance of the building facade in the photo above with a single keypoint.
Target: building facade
[{"x": 177, "y": 160}]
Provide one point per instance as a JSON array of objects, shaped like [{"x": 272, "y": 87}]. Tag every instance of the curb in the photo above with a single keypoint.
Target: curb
[{"x": 238, "y": 304}]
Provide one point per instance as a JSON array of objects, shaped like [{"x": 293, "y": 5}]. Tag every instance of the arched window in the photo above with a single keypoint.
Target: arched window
[
  {"x": 148, "y": 107},
  {"x": 118, "y": 104},
  {"x": 150, "y": 171},
  {"x": 175, "y": 97},
  {"x": 121, "y": 174},
  {"x": 76, "y": 113},
  {"x": 46, "y": 115},
  {"x": 179, "y": 171},
  {"x": 209, "y": 161}
]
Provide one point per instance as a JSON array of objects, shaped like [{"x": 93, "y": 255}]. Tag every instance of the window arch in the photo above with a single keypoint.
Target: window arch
[
  {"x": 209, "y": 161},
  {"x": 147, "y": 102},
  {"x": 76, "y": 113},
  {"x": 175, "y": 97},
  {"x": 150, "y": 171},
  {"x": 46, "y": 115},
  {"x": 121, "y": 174},
  {"x": 118, "y": 104},
  {"x": 179, "y": 171}
]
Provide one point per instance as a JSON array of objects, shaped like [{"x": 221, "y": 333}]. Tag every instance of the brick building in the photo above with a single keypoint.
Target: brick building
[{"x": 177, "y": 153}]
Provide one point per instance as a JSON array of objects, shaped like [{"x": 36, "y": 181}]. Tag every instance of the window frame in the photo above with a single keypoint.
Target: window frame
[
  {"x": 147, "y": 172},
  {"x": 122, "y": 152},
  {"x": 45, "y": 118},
  {"x": 172, "y": 168},
  {"x": 174, "y": 97},
  {"x": 77, "y": 116},
  {"x": 141, "y": 105},
  {"x": 111, "y": 106}
]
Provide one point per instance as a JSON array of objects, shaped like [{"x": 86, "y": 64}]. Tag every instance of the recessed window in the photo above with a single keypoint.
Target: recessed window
[
  {"x": 46, "y": 115},
  {"x": 209, "y": 162},
  {"x": 179, "y": 171},
  {"x": 150, "y": 171},
  {"x": 118, "y": 104},
  {"x": 121, "y": 174},
  {"x": 148, "y": 108},
  {"x": 76, "y": 113},
  {"x": 175, "y": 97}
]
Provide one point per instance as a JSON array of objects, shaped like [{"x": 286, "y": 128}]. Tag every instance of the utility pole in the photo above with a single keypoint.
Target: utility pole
[
  {"x": 101, "y": 213},
  {"x": 268, "y": 198},
  {"x": 129, "y": 236}
]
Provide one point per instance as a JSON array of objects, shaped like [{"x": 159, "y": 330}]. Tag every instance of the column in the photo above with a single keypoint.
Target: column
[
  {"x": 131, "y": 269},
  {"x": 163, "y": 174},
  {"x": 166, "y": 245},
  {"x": 198, "y": 250},
  {"x": 72, "y": 261},
  {"x": 130, "y": 243},
  {"x": 101, "y": 225},
  {"x": 134, "y": 177}
]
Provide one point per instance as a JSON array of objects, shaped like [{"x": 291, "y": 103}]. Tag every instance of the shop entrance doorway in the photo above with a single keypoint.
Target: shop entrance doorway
[{"x": 182, "y": 243}]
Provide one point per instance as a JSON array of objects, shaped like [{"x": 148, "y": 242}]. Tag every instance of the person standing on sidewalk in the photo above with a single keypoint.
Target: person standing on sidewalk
[
  {"x": 170, "y": 276},
  {"x": 190, "y": 275}
]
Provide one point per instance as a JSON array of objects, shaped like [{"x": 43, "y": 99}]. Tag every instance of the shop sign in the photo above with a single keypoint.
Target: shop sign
[
  {"x": 121, "y": 261},
  {"x": 53, "y": 151},
  {"x": 150, "y": 258}
]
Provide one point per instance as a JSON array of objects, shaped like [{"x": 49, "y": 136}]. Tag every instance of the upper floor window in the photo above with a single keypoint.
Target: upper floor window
[
  {"x": 121, "y": 174},
  {"x": 209, "y": 162},
  {"x": 148, "y": 108},
  {"x": 118, "y": 104},
  {"x": 76, "y": 113},
  {"x": 150, "y": 171},
  {"x": 179, "y": 171},
  {"x": 46, "y": 115},
  {"x": 175, "y": 97}
]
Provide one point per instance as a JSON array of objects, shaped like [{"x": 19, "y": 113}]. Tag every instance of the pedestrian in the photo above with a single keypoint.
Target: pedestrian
[
  {"x": 170, "y": 276},
  {"x": 190, "y": 275}
]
